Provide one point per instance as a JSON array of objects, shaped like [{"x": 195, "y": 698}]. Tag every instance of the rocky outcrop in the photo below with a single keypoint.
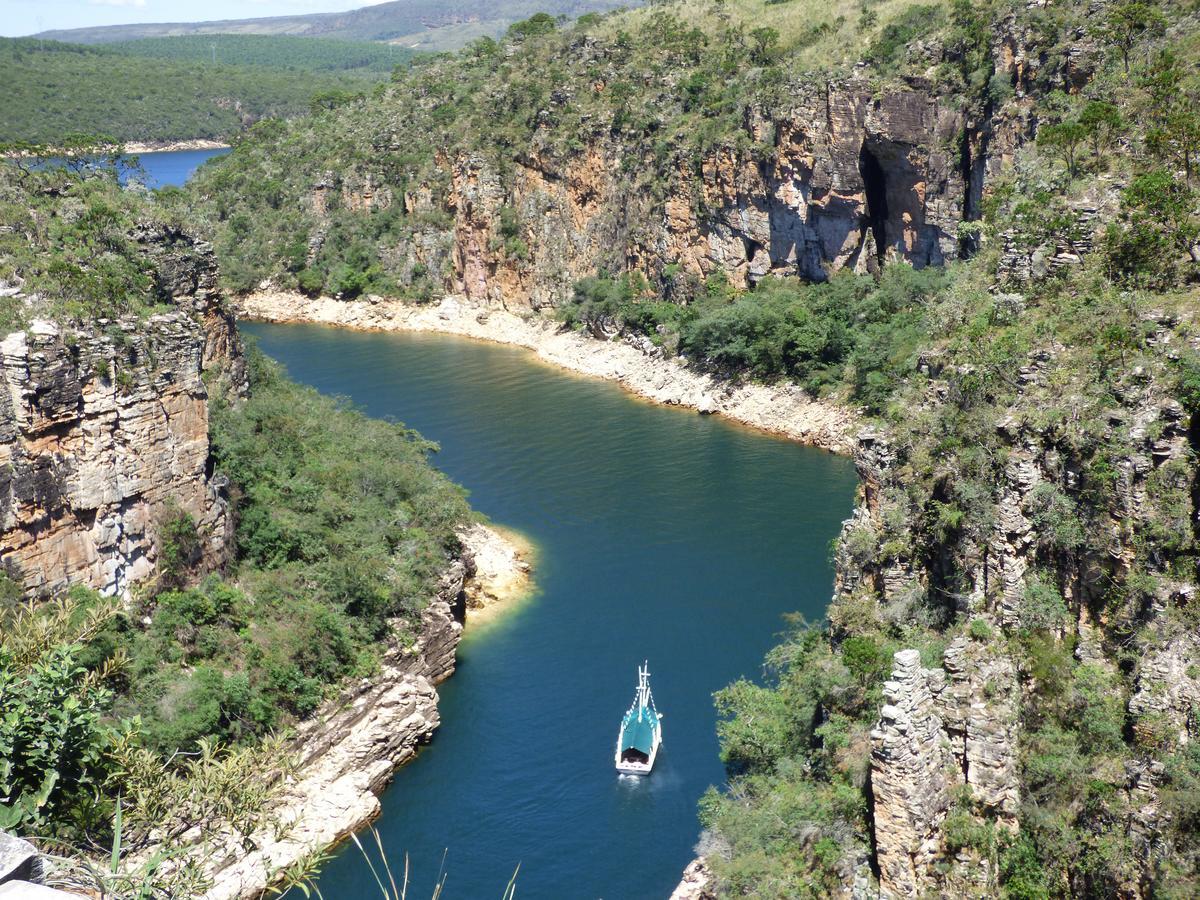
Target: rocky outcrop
[
  {"x": 910, "y": 784},
  {"x": 695, "y": 884},
  {"x": 22, "y": 870},
  {"x": 502, "y": 560},
  {"x": 19, "y": 859},
  {"x": 941, "y": 730},
  {"x": 784, "y": 409},
  {"x": 978, "y": 700},
  {"x": 1044, "y": 560},
  {"x": 1166, "y": 702},
  {"x": 104, "y": 431}
]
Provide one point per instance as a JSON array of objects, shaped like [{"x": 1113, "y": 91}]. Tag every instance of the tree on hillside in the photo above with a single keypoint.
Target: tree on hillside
[
  {"x": 1130, "y": 21},
  {"x": 765, "y": 40},
  {"x": 1160, "y": 231},
  {"x": 1174, "y": 134},
  {"x": 1104, "y": 121},
  {"x": 1064, "y": 140}
]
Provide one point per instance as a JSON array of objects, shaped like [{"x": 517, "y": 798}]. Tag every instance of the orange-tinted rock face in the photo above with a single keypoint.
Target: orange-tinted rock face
[
  {"x": 104, "y": 432},
  {"x": 851, "y": 179}
]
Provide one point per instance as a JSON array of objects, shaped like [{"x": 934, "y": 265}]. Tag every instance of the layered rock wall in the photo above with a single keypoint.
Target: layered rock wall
[
  {"x": 842, "y": 177},
  {"x": 910, "y": 780},
  {"x": 104, "y": 431}
]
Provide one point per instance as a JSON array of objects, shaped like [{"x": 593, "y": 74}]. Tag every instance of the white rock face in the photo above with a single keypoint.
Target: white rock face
[
  {"x": 102, "y": 433},
  {"x": 104, "y": 430},
  {"x": 695, "y": 884},
  {"x": 909, "y": 760}
]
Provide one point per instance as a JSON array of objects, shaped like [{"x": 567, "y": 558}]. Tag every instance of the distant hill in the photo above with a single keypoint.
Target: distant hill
[
  {"x": 281, "y": 51},
  {"x": 53, "y": 90},
  {"x": 421, "y": 24}
]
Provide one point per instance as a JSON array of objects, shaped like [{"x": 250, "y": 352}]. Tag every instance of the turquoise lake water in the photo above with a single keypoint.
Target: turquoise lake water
[
  {"x": 164, "y": 168},
  {"x": 662, "y": 535},
  {"x": 174, "y": 167}
]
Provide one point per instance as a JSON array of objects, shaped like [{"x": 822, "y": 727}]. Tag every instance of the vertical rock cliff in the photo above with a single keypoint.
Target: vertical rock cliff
[
  {"x": 852, "y": 176},
  {"x": 949, "y": 741},
  {"x": 104, "y": 430}
]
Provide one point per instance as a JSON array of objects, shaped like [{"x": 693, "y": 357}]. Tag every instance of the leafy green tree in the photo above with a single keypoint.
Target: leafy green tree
[
  {"x": 1103, "y": 120},
  {"x": 1064, "y": 140},
  {"x": 1128, "y": 22},
  {"x": 1160, "y": 228},
  {"x": 1175, "y": 137},
  {"x": 53, "y": 736},
  {"x": 765, "y": 40},
  {"x": 535, "y": 26}
]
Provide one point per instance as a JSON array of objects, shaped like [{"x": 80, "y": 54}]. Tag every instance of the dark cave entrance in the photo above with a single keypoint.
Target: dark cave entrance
[{"x": 875, "y": 185}]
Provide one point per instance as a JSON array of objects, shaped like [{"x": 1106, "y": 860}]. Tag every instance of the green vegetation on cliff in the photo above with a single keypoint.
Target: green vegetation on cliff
[
  {"x": 1028, "y": 519},
  {"x": 166, "y": 705}
]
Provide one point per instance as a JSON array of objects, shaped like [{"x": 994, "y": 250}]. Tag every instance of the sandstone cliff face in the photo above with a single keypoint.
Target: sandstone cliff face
[
  {"x": 104, "y": 431},
  {"x": 851, "y": 177},
  {"x": 843, "y": 177},
  {"x": 946, "y": 730}
]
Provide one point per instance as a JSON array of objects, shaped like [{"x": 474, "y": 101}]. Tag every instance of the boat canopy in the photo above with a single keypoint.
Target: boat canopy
[{"x": 637, "y": 731}]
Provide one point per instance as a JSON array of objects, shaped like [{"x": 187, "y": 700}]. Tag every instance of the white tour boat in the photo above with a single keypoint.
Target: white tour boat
[{"x": 641, "y": 731}]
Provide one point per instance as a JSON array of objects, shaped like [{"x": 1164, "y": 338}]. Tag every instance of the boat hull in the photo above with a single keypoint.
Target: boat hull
[{"x": 634, "y": 767}]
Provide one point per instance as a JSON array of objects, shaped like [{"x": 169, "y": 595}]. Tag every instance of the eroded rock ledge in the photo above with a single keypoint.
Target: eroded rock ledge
[{"x": 783, "y": 409}]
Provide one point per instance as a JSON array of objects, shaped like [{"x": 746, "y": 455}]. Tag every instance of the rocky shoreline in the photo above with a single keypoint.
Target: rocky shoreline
[
  {"x": 783, "y": 409},
  {"x": 503, "y": 571},
  {"x": 171, "y": 146},
  {"x": 348, "y": 752}
]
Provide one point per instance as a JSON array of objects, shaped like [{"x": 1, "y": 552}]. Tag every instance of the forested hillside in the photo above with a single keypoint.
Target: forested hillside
[
  {"x": 422, "y": 24},
  {"x": 53, "y": 90},
  {"x": 299, "y": 54},
  {"x": 977, "y": 222}
]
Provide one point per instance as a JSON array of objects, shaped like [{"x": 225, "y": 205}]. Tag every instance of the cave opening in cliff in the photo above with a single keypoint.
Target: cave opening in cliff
[{"x": 875, "y": 186}]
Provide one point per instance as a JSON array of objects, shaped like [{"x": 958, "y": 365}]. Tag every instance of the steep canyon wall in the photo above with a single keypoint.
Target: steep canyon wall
[{"x": 104, "y": 430}]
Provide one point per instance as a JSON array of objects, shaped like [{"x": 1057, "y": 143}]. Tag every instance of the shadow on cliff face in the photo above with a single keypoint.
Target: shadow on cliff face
[{"x": 875, "y": 188}]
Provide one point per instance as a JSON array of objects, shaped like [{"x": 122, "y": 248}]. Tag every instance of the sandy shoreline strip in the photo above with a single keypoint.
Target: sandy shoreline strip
[
  {"x": 168, "y": 146},
  {"x": 133, "y": 148},
  {"x": 504, "y": 561},
  {"x": 782, "y": 409}
]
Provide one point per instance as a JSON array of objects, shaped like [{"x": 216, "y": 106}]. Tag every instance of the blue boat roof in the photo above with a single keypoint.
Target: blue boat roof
[{"x": 638, "y": 730}]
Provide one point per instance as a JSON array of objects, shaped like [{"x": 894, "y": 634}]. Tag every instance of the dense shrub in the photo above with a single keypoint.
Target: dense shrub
[{"x": 853, "y": 329}]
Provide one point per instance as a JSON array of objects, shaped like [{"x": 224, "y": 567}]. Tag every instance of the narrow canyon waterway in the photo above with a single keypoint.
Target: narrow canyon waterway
[{"x": 661, "y": 535}]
